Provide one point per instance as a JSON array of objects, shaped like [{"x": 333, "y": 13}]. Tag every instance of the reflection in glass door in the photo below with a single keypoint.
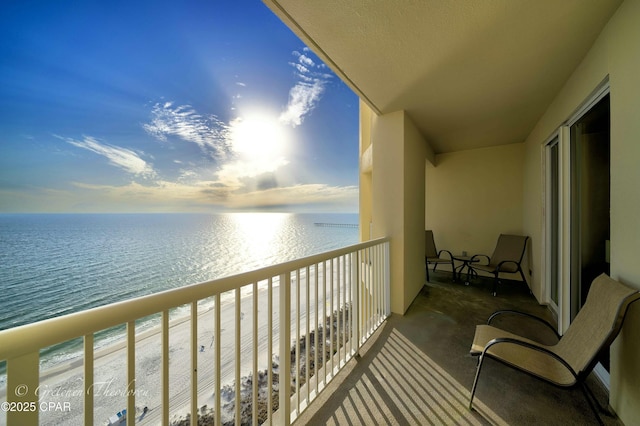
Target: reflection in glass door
[
  {"x": 590, "y": 203},
  {"x": 590, "y": 200}
]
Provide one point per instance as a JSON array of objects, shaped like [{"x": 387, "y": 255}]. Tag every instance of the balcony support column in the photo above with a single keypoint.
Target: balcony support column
[
  {"x": 284, "y": 369},
  {"x": 23, "y": 377},
  {"x": 393, "y": 196}
]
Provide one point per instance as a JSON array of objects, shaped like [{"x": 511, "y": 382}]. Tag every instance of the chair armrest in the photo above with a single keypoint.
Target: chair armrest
[
  {"x": 528, "y": 345},
  {"x": 446, "y": 251},
  {"x": 507, "y": 261},
  {"x": 475, "y": 258},
  {"x": 526, "y": 315}
]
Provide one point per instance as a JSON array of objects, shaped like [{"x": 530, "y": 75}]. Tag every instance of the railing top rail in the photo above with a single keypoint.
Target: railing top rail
[{"x": 32, "y": 337}]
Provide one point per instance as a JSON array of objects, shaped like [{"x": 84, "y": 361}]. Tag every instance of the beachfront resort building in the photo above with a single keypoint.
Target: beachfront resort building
[{"x": 477, "y": 118}]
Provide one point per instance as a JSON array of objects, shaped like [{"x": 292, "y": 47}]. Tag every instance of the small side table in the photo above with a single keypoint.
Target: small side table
[{"x": 466, "y": 263}]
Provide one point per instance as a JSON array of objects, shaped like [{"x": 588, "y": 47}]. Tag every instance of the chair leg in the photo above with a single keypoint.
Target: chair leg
[
  {"x": 475, "y": 381},
  {"x": 471, "y": 273},
  {"x": 494, "y": 292},
  {"x": 427, "y": 264},
  {"x": 522, "y": 275},
  {"x": 591, "y": 399},
  {"x": 524, "y": 279}
]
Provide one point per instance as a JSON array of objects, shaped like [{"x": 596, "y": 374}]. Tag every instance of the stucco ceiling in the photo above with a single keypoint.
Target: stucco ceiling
[{"x": 470, "y": 73}]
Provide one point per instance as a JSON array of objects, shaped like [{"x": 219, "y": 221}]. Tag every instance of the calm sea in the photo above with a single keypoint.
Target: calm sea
[{"x": 55, "y": 264}]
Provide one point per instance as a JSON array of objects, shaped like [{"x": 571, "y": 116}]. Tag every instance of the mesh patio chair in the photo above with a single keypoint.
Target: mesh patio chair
[
  {"x": 570, "y": 361},
  {"x": 506, "y": 257},
  {"x": 431, "y": 255}
]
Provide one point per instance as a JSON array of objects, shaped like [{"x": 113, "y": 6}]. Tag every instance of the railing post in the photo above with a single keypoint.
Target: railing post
[
  {"x": 131, "y": 373},
  {"x": 254, "y": 389},
  {"x": 88, "y": 379},
  {"x": 387, "y": 279},
  {"x": 238, "y": 353},
  {"x": 269, "y": 352},
  {"x": 194, "y": 362},
  {"x": 218, "y": 381},
  {"x": 355, "y": 297},
  {"x": 23, "y": 377},
  {"x": 165, "y": 367},
  {"x": 284, "y": 384}
]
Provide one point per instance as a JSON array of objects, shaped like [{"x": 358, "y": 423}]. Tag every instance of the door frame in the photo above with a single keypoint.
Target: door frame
[
  {"x": 562, "y": 310},
  {"x": 562, "y": 134},
  {"x": 548, "y": 242},
  {"x": 602, "y": 91}
]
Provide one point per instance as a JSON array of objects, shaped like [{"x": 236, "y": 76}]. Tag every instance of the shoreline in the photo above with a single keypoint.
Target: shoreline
[
  {"x": 117, "y": 345},
  {"x": 64, "y": 383}
]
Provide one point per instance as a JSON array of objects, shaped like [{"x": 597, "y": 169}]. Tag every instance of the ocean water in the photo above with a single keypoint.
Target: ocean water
[{"x": 56, "y": 264}]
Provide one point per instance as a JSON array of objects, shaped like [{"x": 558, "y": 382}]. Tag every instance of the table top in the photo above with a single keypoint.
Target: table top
[{"x": 464, "y": 258}]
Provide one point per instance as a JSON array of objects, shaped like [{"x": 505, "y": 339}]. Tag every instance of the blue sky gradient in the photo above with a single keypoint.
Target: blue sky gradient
[{"x": 153, "y": 106}]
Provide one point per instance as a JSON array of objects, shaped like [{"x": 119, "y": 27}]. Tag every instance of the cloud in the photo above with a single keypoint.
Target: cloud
[
  {"x": 305, "y": 94},
  {"x": 297, "y": 195},
  {"x": 122, "y": 158},
  {"x": 243, "y": 148},
  {"x": 183, "y": 122},
  {"x": 208, "y": 195},
  {"x": 306, "y": 60},
  {"x": 249, "y": 153},
  {"x": 232, "y": 173}
]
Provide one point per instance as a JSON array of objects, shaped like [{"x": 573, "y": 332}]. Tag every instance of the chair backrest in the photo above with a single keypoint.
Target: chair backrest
[
  {"x": 429, "y": 245},
  {"x": 597, "y": 324},
  {"x": 509, "y": 247}
]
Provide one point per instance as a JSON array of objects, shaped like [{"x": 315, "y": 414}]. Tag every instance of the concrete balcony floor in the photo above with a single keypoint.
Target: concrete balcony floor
[{"x": 416, "y": 370}]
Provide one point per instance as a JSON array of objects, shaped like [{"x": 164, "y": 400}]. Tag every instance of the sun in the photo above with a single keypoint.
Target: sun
[
  {"x": 260, "y": 144},
  {"x": 258, "y": 136}
]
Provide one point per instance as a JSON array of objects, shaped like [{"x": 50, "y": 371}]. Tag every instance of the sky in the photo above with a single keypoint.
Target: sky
[{"x": 157, "y": 106}]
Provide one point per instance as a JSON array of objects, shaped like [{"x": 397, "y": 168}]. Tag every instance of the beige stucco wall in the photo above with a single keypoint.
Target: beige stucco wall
[
  {"x": 365, "y": 192},
  {"x": 474, "y": 196},
  {"x": 416, "y": 150},
  {"x": 616, "y": 53},
  {"x": 393, "y": 198},
  {"x": 625, "y": 199}
]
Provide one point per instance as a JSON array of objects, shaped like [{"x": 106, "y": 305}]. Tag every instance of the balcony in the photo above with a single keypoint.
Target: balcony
[
  {"x": 368, "y": 367},
  {"x": 417, "y": 370}
]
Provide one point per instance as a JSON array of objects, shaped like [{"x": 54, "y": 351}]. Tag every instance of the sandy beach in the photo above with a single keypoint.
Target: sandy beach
[{"x": 64, "y": 383}]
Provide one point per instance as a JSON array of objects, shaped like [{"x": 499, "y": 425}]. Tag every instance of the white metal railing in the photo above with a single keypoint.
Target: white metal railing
[{"x": 330, "y": 303}]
